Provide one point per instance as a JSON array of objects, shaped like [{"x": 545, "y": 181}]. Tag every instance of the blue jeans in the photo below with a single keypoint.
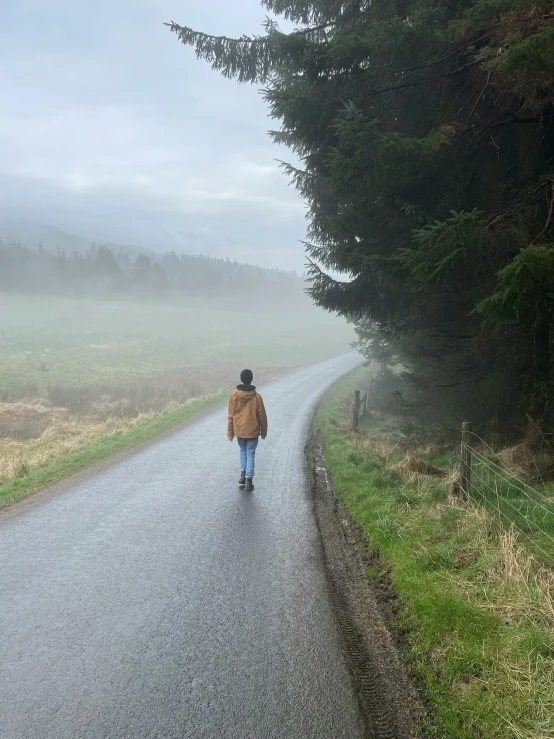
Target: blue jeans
[{"x": 248, "y": 455}]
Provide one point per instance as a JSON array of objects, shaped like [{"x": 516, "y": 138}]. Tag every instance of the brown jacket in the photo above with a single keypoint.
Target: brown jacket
[{"x": 247, "y": 417}]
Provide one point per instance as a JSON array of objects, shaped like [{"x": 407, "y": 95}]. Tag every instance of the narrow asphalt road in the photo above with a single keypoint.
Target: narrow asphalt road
[{"x": 158, "y": 600}]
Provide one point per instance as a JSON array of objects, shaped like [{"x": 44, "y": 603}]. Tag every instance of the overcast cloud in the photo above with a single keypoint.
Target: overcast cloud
[{"x": 111, "y": 129}]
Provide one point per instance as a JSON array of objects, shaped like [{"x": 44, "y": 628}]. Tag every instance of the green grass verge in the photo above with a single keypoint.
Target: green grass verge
[
  {"x": 480, "y": 637},
  {"x": 69, "y": 464}
]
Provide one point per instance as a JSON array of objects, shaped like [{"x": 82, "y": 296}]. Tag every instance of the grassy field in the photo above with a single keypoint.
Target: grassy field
[
  {"x": 45, "y": 341},
  {"x": 79, "y": 376},
  {"x": 477, "y": 611}
]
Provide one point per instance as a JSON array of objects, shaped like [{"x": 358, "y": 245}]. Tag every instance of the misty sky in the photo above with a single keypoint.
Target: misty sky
[{"x": 110, "y": 128}]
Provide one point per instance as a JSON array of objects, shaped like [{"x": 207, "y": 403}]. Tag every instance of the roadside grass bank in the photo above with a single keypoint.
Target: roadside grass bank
[
  {"x": 76, "y": 447},
  {"x": 475, "y": 611}
]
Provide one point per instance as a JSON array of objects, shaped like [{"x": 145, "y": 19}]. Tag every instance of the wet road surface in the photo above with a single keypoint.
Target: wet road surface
[{"x": 157, "y": 599}]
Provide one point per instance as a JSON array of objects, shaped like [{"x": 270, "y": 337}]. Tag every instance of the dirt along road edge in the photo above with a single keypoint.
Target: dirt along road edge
[{"x": 388, "y": 701}]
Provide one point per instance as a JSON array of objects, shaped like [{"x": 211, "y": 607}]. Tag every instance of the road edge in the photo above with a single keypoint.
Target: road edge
[
  {"x": 388, "y": 701},
  {"x": 43, "y": 495}
]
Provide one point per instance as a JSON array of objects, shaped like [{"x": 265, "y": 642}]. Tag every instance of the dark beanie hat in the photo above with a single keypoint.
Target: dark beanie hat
[{"x": 246, "y": 376}]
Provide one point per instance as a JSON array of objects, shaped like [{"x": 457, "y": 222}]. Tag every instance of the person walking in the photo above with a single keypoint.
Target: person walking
[{"x": 247, "y": 421}]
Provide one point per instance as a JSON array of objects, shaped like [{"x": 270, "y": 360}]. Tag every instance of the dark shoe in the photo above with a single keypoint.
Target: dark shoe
[
  {"x": 249, "y": 484},
  {"x": 242, "y": 480}
]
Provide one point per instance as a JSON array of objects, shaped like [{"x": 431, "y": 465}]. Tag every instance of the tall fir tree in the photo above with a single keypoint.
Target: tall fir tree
[{"x": 426, "y": 139}]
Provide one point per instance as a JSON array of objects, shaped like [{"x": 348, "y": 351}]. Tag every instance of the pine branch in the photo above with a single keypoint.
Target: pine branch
[
  {"x": 462, "y": 68},
  {"x": 308, "y": 245},
  {"x": 479, "y": 98},
  {"x": 444, "y": 58},
  {"x": 314, "y": 267},
  {"x": 516, "y": 119},
  {"x": 545, "y": 229},
  {"x": 415, "y": 83},
  {"x": 176, "y": 28},
  {"x": 248, "y": 58},
  {"x": 198, "y": 35}
]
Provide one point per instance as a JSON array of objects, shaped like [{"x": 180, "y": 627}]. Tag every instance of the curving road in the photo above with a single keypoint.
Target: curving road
[{"x": 157, "y": 600}]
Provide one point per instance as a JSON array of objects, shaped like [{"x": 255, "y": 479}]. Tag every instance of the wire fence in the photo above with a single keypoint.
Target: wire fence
[
  {"x": 515, "y": 503},
  {"x": 8, "y": 332}
]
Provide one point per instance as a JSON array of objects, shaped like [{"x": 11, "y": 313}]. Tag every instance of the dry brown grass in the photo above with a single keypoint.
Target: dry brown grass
[
  {"x": 62, "y": 436},
  {"x": 525, "y": 589},
  {"x": 141, "y": 396},
  {"x": 27, "y": 420},
  {"x": 428, "y": 450},
  {"x": 65, "y": 434},
  {"x": 411, "y": 464},
  {"x": 530, "y": 681},
  {"x": 496, "y": 574},
  {"x": 102, "y": 399},
  {"x": 388, "y": 447},
  {"x": 510, "y": 582},
  {"x": 530, "y": 459},
  {"x": 37, "y": 430}
]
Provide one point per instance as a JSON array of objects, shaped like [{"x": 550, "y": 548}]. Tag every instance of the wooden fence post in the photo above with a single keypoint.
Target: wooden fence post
[
  {"x": 465, "y": 482},
  {"x": 356, "y": 410}
]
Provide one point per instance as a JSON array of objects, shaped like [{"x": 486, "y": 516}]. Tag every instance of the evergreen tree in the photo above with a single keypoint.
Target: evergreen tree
[
  {"x": 426, "y": 143},
  {"x": 142, "y": 269},
  {"x": 99, "y": 272},
  {"x": 106, "y": 269}
]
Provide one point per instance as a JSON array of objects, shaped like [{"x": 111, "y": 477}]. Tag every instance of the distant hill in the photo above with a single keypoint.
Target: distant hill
[
  {"x": 30, "y": 233},
  {"x": 41, "y": 259}
]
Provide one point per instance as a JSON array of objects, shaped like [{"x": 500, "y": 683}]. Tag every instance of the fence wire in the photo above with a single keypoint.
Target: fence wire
[{"x": 513, "y": 501}]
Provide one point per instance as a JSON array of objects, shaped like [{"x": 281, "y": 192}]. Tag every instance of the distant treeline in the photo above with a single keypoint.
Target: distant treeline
[{"x": 102, "y": 272}]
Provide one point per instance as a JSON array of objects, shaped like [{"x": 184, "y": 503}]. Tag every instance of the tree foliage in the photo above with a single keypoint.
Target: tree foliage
[
  {"x": 101, "y": 272},
  {"x": 425, "y": 134}
]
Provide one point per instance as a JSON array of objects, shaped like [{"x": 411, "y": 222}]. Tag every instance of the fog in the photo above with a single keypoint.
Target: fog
[
  {"x": 113, "y": 131},
  {"x": 149, "y": 243},
  {"x": 91, "y": 337}
]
